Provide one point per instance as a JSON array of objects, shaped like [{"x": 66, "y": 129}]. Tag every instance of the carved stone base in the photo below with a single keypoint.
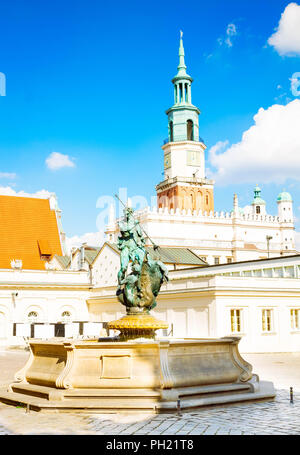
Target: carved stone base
[
  {"x": 151, "y": 376},
  {"x": 135, "y": 326}
]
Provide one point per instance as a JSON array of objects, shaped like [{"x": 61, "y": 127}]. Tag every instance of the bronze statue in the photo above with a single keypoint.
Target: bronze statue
[{"x": 137, "y": 289}]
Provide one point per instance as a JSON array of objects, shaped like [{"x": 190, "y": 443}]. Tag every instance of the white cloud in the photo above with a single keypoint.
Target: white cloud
[
  {"x": 269, "y": 151},
  {"x": 57, "y": 161},
  {"x": 8, "y": 191},
  {"x": 91, "y": 238},
  {"x": 286, "y": 39},
  {"x": 8, "y": 175}
]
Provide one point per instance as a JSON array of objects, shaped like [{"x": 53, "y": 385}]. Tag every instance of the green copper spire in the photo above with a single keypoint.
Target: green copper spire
[
  {"x": 181, "y": 67},
  {"x": 181, "y": 74},
  {"x": 183, "y": 115},
  {"x": 257, "y": 197}
]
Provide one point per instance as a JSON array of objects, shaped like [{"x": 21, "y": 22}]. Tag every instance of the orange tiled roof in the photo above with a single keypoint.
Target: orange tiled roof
[{"x": 28, "y": 229}]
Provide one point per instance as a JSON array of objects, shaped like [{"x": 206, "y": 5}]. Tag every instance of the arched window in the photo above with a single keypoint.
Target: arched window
[
  {"x": 206, "y": 199},
  {"x": 192, "y": 201},
  {"x": 32, "y": 316},
  {"x": 66, "y": 316},
  {"x": 183, "y": 199},
  {"x": 171, "y": 131},
  {"x": 198, "y": 200},
  {"x": 190, "y": 130},
  {"x": 257, "y": 209}
]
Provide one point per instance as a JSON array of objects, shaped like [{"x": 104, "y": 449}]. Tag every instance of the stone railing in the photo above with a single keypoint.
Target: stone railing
[{"x": 165, "y": 211}]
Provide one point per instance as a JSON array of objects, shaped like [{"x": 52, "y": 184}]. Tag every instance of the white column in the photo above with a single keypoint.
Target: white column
[{"x": 190, "y": 93}]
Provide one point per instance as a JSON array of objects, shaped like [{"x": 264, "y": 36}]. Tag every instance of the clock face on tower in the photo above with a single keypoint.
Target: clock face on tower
[{"x": 167, "y": 161}]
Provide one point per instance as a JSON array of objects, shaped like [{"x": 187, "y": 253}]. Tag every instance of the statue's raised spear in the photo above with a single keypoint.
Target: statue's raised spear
[{"x": 155, "y": 247}]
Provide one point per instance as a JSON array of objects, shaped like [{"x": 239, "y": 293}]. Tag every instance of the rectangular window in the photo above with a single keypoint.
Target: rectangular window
[
  {"x": 267, "y": 320},
  {"x": 229, "y": 260},
  {"x": 216, "y": 260},
  {"x": 193, "y": 158},
  {"x": 295, "y": 319},
  {"x": 235, "y": 319}
]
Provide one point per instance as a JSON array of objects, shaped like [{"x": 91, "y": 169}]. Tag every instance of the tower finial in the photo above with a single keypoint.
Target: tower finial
[{"x": 181, "y": 67}]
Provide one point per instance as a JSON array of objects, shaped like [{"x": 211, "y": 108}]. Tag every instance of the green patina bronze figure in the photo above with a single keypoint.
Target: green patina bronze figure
[{"x": 140, "y": 276}]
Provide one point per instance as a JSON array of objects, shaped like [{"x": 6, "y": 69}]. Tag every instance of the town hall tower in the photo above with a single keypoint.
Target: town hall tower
[{"x": 185, "y": 185}]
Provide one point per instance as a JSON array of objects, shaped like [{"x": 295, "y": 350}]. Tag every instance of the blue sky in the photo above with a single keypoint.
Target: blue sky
[{"x": 92, "y": 80}]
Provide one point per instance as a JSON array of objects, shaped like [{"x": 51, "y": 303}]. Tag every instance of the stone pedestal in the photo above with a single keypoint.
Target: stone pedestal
[
  {"x": 150, "y": 376},
  {"x": 137, "y": 326}
]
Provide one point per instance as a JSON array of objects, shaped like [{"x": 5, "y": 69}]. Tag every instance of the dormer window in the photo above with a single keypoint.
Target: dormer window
[{"x": 45, "y": 250}]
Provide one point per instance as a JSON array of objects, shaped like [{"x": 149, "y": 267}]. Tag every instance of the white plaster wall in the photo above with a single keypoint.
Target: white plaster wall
[
  {"x": 100, "y": 311},
  {"x": 49, "y": 305}
]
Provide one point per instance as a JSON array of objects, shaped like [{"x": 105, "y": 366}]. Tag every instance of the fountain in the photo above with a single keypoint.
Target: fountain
[{"x": 135, "y": 371}]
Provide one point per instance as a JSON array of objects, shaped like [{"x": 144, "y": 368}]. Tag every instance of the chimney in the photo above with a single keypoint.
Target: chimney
[
  {"x": 82, "y": 256},
  {"x": 73, "y": 249}
]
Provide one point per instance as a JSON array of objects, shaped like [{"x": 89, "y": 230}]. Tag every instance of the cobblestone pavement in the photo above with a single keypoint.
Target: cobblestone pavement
[
  {"x": 278, "y": 417},
  {"x": 263, "y": 418}
]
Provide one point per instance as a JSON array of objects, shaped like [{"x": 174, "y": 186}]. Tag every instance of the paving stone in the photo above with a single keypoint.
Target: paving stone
[
  {"x": 198, "y": 430},
  {"x": 212, "y": 429},
  {"x": 235, "y": 432}
]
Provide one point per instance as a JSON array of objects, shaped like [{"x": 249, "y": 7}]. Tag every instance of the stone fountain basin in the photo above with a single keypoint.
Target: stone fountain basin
[{"x": 160, "y": 375}]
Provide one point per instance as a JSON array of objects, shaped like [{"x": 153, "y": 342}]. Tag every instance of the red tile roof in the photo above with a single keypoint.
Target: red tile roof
[{"x": 28, "y": 229}]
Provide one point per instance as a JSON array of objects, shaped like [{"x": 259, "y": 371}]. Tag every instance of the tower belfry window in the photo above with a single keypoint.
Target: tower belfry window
[
  {"x": 180, "y": 93},
  {"x": 171, "y": 131},
  {"x": 190, "y": 130},
  {"x": 177, "y": 94}
]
